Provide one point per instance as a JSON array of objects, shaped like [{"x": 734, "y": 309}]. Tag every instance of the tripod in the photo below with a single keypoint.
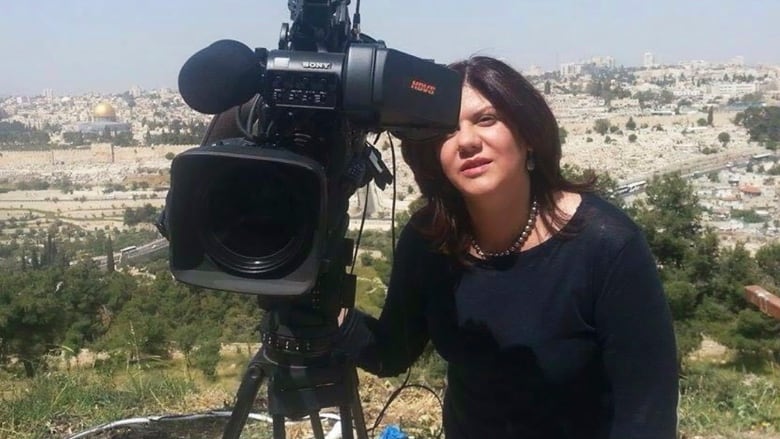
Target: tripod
[
  {"x": 295, "y": 359},
  {"x": 297, "y": 391}
]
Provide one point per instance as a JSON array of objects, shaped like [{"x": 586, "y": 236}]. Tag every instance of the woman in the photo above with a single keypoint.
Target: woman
[{"x": 543, "y": 298}]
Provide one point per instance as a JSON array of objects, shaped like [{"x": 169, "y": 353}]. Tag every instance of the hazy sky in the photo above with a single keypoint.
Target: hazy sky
[{"x": 78, "y": 46}]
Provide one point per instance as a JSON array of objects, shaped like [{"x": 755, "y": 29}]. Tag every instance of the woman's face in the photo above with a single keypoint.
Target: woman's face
[{"x": 483, "y": 157}]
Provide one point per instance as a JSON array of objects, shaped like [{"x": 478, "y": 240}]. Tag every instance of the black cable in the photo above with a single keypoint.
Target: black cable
[
  {"x": 362, "y": 221},
  {"x": 360, "y": 233},
  {"x": 356, "y": 21},
  {"x": 250, "y": 120},
  {"x": 395, "y": 193},
  {"x": 240, "y": 124},
  {"x": 395, "y": 395},
  {"x": 145, "y": 422},
  {"x": 246, "y": 130},
  {"x": 405, "y": 384}
]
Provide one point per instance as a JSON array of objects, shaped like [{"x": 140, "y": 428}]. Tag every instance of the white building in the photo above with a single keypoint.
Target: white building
[
  {"x": 571, "y": 69},
  {"x": 733, "y": 89},
  {"x": 603, "y": 61},
  {"x": 534, "y": 70},
  {"x": 738, "y": 61},
  {"x": 648, "y": 61}
]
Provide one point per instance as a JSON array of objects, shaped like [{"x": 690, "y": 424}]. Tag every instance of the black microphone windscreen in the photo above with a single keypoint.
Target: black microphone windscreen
[{"x": 225, "y": 74}]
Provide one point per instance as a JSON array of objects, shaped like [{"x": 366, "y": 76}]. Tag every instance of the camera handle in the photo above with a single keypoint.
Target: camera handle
[{"x": 308, "y": 396}]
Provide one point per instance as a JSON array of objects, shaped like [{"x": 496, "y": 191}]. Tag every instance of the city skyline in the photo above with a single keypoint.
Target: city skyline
[{"x": 89, "y": 46}]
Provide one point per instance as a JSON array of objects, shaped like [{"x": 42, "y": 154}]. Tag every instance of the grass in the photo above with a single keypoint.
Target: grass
[
  {"x": 717, "y": 400},
  {"x": 64, "y": 402},
  {"x": 68, "y": 401},
  {"x": 721, "y": 399},
  {"x": 55, "y": 403}
]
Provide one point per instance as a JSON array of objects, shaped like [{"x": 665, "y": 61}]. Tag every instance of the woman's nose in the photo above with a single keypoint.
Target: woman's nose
[{"x": 468, "y": 140}]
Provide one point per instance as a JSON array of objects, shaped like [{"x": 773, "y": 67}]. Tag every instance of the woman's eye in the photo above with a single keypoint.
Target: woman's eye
[{"x": 487, "y": 119}]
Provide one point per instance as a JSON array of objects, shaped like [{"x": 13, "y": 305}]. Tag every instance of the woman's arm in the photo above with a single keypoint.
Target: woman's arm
[
  {"x": 639, "y": 350},
  {"x": 389, "y": 345}
]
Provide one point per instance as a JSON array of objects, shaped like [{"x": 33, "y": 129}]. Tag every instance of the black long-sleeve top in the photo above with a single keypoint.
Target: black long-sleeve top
[{"x": 569, "y": 339}]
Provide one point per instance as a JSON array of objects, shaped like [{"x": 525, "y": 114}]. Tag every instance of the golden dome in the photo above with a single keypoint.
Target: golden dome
[{"x": 104, "y": 111}]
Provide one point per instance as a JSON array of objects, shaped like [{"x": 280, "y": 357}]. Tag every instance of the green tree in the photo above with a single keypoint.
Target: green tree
[
  {"x": 562, "y": 134},
  {"x": 682, "y": 298},
  {"x": 595, "y": 88},
  {"x": 631, "y": 125},
  {"x": 89, "y": 301},
  {"x": 762, "y": 123},
  {"x": 145, "y": 214},
  {"x": 645, "y": 98},
  {"x": 702, "y": 262},
  {"x": 736, "y": 269},
  {"x": 73, "y": 139},
  {"x": 605, "y": 185},
  {"x": 756, "y": 338},
  {"x": 601, "y": 126},
  {"x": 206, "y": 355},
  {"x": 724, "y": 138},
  {"x": 670, "y": 216},
  {"x": 31, "y": 323},
  {"x": 666, "y": 97},
  {"x": 106, "y": 135},
  {"x": 138, "y": 330},
  {"x": 710, "y": 118},
  {"x": 109, "y": 256},
  {"x": 768, "y": 260},
  {"x": 124, "y": 138}
]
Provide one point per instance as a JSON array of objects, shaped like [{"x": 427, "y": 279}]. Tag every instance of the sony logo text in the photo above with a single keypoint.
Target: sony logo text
[{"x": 316, "y": 65}]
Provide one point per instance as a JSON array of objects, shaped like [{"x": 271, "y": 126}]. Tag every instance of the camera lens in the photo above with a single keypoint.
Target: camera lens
[{"x": 260, "y": 219}]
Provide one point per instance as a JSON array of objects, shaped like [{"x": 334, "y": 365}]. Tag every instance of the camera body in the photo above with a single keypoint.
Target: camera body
[{"x": 265, "y": 213}]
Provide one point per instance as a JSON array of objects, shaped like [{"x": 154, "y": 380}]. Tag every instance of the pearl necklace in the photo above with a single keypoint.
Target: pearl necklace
[{"x": 518, "y": 244}]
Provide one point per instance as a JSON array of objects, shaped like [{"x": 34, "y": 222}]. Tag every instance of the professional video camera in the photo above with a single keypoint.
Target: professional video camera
[{"x": 264, "y": 212}]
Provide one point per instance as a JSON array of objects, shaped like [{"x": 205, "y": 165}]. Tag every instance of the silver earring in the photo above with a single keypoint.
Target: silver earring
[{"x": 530, "y": 162}]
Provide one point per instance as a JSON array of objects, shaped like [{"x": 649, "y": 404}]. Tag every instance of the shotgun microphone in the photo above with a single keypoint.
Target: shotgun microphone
[{"x": 224, "y": 74}]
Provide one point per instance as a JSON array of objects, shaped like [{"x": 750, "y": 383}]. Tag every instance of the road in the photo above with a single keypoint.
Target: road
[
  {"x": 700, "y": 165},
  {"x": 139, "y": 254}
]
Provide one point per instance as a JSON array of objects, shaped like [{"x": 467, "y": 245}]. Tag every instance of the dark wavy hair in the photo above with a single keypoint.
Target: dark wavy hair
[{"x": 444, "y": 219}]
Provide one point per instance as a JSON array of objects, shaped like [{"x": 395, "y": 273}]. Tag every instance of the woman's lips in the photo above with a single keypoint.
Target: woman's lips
[{"x": 474, "y": 167}]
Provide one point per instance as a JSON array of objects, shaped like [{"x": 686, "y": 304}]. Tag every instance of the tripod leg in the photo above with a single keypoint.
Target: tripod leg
[
  {"x": 245, "y": 397},
  {"x": 357, "y": 409},
  {"x": 346, "y": 421},
  {"x": 316, "y": 425},
  {"x": 278, "y": 423}
]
